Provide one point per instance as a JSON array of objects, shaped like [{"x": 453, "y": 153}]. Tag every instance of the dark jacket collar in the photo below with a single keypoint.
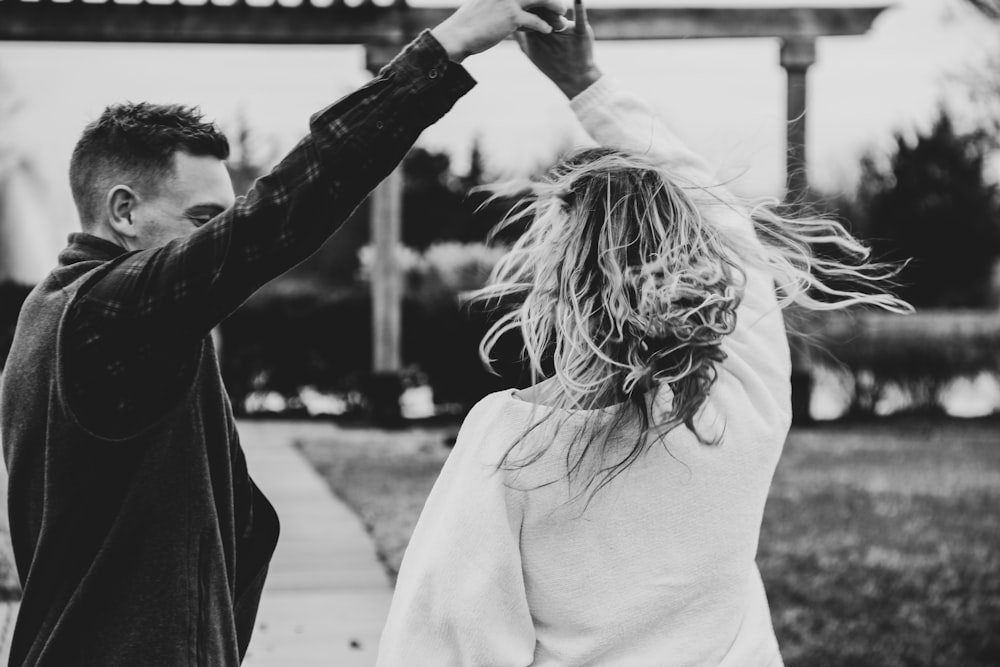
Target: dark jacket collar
[{"x": 85, "y": 247}]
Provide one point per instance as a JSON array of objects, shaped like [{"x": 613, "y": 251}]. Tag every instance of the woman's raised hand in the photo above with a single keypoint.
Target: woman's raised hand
[
  {"x": 567, "y": 56},
  {"x": 480, "y": 24}
]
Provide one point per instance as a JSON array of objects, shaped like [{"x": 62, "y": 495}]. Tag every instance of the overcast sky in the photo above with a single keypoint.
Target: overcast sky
[{"x": 725, "y": 97}]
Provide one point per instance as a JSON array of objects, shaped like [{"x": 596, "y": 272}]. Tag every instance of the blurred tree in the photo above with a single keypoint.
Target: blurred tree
[
  {"x": 439, "y": 205},
  {"x": 432, "y": 199},
  {"x": 477, "y": 168},
  {"x": 982, "y": 80},
  {"x": 932, "y": 204},
  {"x": 249, "y": 157}
]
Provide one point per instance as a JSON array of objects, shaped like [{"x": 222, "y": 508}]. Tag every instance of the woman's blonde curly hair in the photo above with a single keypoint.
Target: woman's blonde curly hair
[{"x": 622, "y": 284}]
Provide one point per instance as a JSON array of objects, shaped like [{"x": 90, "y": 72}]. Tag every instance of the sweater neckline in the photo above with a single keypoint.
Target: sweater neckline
[
  {"x": 663, "y": 397},
  {"x": 511, "y": 395}
]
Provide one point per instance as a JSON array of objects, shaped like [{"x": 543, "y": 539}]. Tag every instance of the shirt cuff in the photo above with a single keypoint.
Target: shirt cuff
[
  {"x": 598, "y": 95},
  {"x": 425, "y": 62}
]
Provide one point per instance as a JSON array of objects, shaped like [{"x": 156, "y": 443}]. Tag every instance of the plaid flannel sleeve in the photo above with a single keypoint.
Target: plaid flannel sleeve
[{"x": 143, "y": 311}]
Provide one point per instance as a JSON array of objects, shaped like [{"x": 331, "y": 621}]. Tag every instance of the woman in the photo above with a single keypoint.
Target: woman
[{"x": 609, "y": 515}]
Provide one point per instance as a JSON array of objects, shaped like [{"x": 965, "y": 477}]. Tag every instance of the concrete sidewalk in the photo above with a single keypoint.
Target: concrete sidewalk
[
  {"x": 8, "y": 614},
  {"x": 326, "y": 596}
]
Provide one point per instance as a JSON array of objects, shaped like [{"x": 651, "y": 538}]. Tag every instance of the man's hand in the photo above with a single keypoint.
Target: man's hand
[
  {"x": 480, "y": 24},
  {"x": 567, "y": 58}
]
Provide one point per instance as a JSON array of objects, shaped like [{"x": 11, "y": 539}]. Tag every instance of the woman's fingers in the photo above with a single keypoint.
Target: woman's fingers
[{"x": 579, "y": 17}]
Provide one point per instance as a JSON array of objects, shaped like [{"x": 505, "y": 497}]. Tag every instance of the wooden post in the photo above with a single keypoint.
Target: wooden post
[
  {"x": 387, "y": 279},
  {"x": 386, "y": 229},
  {"x": 797, "y": 54},
  {"x": 386, "y": 210}
]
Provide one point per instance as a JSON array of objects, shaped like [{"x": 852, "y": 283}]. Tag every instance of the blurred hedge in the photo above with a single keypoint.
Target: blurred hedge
[
  {"x": 297, "y": 334},
  {"x": 918, "y": 353},
  {"x": 292, "y": 335},
  {"x": 304, "y": 335}
]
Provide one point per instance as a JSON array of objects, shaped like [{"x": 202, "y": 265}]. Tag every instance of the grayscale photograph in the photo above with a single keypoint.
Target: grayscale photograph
[{"x": 500, "y": 333}]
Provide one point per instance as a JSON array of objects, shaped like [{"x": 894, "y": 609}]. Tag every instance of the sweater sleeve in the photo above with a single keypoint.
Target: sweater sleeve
[
  {"x": 757, "y": 350},
  {"x": 460, "y": 597}
]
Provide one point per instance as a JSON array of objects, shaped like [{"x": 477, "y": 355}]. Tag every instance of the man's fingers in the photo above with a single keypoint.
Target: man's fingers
[
  {"x": 579, "y": 17},
  {"x": 558, "y": 23},
  {"x": 529, "y": 21}
]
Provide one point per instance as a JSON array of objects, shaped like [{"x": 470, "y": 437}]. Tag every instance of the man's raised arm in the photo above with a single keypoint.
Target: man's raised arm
[
  {"x": 191, "y": 284},
  {"x": 154, "y": 307}
]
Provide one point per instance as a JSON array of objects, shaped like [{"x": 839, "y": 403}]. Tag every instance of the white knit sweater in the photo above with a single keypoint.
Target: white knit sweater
[{"x": 659, "y": 568}]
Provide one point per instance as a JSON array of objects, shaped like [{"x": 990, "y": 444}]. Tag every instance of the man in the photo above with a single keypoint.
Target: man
[{"x": 138, "y": 534}]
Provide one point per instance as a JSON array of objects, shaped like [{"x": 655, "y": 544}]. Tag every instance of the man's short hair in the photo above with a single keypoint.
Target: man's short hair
[{"x": 134, "y": 144}]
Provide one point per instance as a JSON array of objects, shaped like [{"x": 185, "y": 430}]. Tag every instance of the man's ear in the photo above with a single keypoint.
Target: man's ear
[{"x": 121, "y": 202}]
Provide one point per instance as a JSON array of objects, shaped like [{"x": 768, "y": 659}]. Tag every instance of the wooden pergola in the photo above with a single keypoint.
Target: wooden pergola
[{"x": 385, "y": 27}]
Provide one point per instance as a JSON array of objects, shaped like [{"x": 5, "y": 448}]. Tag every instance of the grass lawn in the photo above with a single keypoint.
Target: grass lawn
[{"x": 880, "y": 544}]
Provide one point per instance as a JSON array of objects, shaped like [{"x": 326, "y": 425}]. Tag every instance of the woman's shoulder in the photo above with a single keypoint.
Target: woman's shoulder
[
  {"x": 492, "y": 418},
  {"x": 514, "y": 403},
  {"x": 506, "y": 412},
  {"x": 490, "y": 404},
  {"x": 515, "y": 421}
]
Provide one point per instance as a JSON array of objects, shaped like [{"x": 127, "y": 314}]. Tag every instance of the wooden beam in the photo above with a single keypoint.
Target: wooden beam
[
  {"x": 735, "y": 22},
  {"x": 77, "y": 21}
]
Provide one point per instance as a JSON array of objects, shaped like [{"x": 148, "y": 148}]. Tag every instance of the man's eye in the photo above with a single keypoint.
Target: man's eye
[{"x": 200, "y": 220}]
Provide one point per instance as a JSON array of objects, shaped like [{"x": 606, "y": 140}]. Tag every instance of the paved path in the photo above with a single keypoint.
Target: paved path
[
  {"x": 326, "y": 596},
  {"x": 8, "y": 614},
  {"x": 8, "y": 610}
]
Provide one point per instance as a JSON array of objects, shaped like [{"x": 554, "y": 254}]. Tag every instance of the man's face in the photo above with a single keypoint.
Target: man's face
[{"x": 198, "y": 190}]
